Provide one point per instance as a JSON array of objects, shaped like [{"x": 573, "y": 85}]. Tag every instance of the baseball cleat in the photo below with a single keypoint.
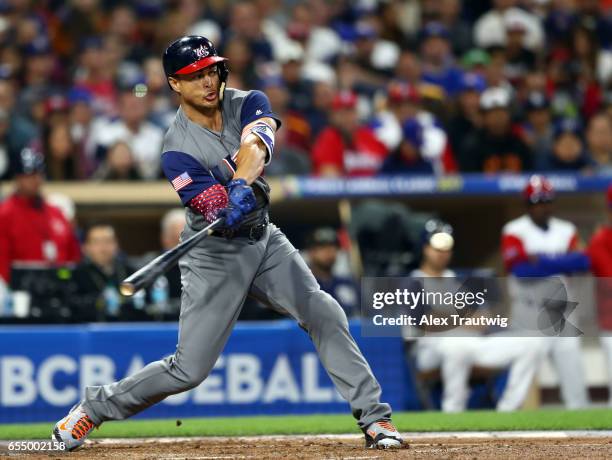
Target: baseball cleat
[
  {"x": 382, "y": 435},
  {"x": 73, "y": 429}
]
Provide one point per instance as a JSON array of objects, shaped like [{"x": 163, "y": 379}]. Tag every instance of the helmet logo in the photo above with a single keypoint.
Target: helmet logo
[{"x": 201, "y": 52}]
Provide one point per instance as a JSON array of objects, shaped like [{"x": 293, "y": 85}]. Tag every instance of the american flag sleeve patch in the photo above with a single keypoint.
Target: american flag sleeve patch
[{"x": 181, "y": 181}]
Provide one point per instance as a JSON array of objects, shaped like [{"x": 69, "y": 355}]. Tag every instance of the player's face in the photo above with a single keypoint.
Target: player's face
[
  {"x": 324, "y": 256},
  {"x": 540, "y": 213},
  {"x": 437, "y": 259},
  {"x": 199, "y": 89},
  {"x": 29, "y": 184}
]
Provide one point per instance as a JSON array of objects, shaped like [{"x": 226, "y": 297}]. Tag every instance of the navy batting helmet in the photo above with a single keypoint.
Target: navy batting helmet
[{"x": 191, "y": 53}]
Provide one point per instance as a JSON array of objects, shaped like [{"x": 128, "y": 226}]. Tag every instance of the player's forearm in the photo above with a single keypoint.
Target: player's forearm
[
  {"x": 256, "y": 147},
  {"x": 250, "y": 161}
]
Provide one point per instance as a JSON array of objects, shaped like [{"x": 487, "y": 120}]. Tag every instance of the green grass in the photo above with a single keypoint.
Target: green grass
[{"x": 595, "y": 419}]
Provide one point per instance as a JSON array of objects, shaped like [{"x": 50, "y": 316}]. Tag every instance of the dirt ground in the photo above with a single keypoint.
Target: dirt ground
[{"x": 329, "y": 448}]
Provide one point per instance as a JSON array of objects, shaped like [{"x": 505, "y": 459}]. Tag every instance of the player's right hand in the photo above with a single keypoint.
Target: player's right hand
[{"x": 241, "y": 195}]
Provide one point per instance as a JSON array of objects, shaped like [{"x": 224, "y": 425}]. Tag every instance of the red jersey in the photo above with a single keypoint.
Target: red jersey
[
  {"x": 362, "y": 157},
  {"x": 600, "y": 252},
  {"x": 34, "y": 231}
]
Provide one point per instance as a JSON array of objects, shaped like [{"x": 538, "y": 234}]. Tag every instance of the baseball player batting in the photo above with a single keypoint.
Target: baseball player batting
[{"x": 213, "y": 155}]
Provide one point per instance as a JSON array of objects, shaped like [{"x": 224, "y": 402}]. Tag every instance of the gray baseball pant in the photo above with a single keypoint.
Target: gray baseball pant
[{"x": 217, "y": 275}]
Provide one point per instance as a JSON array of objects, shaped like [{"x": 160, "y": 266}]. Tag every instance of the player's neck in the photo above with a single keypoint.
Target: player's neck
[
  {"x": 207, "y": 118},
  {"x": 431, "y": 271}
]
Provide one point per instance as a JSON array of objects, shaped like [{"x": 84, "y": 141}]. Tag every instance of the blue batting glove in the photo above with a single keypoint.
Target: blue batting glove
[
  {"x": 241, "y": 195},
  {"x": 232, "y": 216}
]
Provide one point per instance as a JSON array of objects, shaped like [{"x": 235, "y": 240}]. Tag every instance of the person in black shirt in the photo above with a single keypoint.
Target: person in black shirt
[
  {"x": 97, "y": 278},
  {"x": 496, "y": 147}
]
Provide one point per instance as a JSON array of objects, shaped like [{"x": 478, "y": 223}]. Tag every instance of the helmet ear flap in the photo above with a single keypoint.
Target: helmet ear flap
[{"x": 223, "y": 70}]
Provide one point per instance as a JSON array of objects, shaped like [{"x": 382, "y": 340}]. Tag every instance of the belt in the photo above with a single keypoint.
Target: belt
[{"x": 252, "y": 232}]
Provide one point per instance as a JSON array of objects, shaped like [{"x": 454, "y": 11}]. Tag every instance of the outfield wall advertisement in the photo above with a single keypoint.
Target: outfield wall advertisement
[{"x": 266, "y": 368}]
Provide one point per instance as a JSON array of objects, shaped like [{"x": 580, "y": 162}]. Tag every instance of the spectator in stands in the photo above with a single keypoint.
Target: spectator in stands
[
  {"x": 476, "y": 60},
  {"x": 456, "y": 351},
  {"x": 568, "y": 152},
  {"x": 537, "y": 249},
  {"x": 374, "y": 58},
  {"x": 582, "y": 69},
  {"x": 60, "y": 152},
  {"x": 244, "y": 66},
  {"x": 322, "y": 251},
  {"x": 37, "y": 82},
  {"x": 80, "y": 117},
  {"x": 489, "y": 30},
  {"x": 292, "y": 143},
  {"x": 408, "y": 157},
  {"x": 31, "y": 230},
  {"x": 97, "y": 278},
  {"x": 75, "y": 22},
  {"x": 519, "y": 59},
  {"x": 95, "y": 74},
  {"x": 438, "y": 66},
  {"x": 468, "y": 119},
  {"x": 599, "y": 141},
  {"x": 537, "y": 131},
  {"x": 6, "y": 156},
  {"x": 119, "y": 164},
  {"x": 495, "y": 148},
  {"x": 600, "y": 252},
  {"x": 296, "y": 77},
  {"x": 403, "y": 104},
  {"x": 163, "y": 109},
  {"x": 459, "y": 31},
  {"x": 346, "y": 147},
  {"x": 245, "y": 21},
  {"x": 15, "y": 131},
  {"x": 320, "y": 96},
  {"x": 133, "y": 128}
]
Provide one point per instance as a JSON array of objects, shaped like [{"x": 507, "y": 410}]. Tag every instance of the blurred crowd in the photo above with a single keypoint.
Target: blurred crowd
[{"x": 363, "y": 87}]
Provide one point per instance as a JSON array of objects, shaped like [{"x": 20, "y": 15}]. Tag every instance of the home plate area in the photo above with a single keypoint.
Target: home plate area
[{"x": 481, "y": 445}]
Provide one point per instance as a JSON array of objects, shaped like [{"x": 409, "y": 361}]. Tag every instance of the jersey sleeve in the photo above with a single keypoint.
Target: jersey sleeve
[
  {"x": 186, "y": 175},
  {"x": 256, "y": 105},
  {"x": 574, "y": 244},
  {"x": 601, "y": 257},
  {"x": 513, "y": 251}
]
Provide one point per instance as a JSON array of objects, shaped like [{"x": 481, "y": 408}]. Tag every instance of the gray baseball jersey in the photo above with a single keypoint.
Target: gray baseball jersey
[{"x": 219, "y": 273}]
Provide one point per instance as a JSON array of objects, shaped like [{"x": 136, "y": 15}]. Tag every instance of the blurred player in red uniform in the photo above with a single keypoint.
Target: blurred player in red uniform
[
  {"x": 600, "y": 252},
  {"x": 535, "y": 248},
  {"x": 31, "y": 230}
]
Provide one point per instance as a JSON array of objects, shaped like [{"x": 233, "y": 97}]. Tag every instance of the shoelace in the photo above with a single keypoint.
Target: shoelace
[
  {"x": 82, "y": 427},
  {"x": 387, "y": 425}
]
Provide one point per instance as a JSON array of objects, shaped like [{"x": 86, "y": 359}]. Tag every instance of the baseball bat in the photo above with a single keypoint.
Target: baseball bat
[{"x": 162, "y": 263}]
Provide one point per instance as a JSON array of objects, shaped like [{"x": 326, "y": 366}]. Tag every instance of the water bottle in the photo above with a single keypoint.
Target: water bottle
[
  {"x": 160, "y": 294},
  {"x": 139, "y": 299},
  {"x": 113, "y": 301},
  {"x": 6, "y": 302}
]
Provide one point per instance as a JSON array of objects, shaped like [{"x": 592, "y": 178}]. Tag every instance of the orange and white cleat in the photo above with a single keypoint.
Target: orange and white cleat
[
  {"x": 382, "y": 434},
  {"x": 73, "y": 429}
]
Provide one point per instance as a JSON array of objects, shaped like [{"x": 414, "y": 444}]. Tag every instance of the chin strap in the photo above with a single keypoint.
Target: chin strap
[{"x": 221, "y": 90}]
